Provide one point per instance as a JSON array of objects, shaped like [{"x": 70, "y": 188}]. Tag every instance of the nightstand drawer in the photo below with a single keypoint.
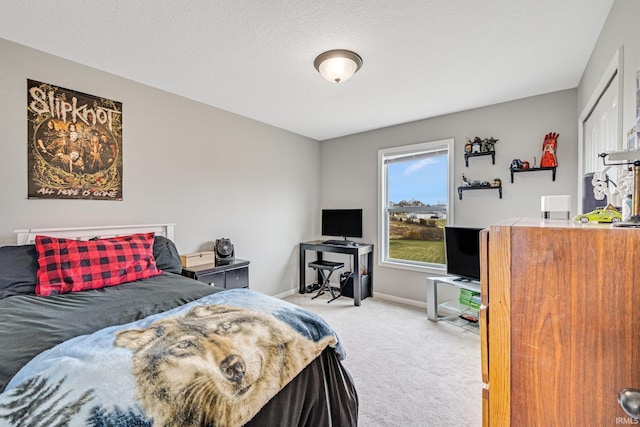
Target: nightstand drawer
[
  {"x": 228, "y": 276},
  {"x": 216, "y": 279},
  {"x": 237, "y": 278}
]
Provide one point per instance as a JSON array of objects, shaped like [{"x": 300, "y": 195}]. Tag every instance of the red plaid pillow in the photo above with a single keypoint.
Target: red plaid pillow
[{"x": 67, "y": 265}]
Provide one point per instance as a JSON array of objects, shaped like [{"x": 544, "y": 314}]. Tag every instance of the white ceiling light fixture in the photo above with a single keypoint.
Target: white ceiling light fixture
[{"x": 338, "y": 65}]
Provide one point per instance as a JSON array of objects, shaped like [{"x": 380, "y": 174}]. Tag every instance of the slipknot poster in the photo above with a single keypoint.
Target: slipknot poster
[{"x": 75, "y": 144}]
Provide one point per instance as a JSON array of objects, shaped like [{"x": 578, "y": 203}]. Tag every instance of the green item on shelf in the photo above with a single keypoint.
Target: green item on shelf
[{"x": 469, "y": 298}]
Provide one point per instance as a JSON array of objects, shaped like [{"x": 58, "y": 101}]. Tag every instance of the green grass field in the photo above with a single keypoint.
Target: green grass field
[{"x": 417, "y": 250}]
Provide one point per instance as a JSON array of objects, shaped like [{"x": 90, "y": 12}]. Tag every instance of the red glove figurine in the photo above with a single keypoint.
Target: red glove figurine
[{"x": 549, "y": 150}]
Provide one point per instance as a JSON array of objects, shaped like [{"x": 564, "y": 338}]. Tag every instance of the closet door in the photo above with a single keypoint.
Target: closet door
[{"x": 600, "y": 130}]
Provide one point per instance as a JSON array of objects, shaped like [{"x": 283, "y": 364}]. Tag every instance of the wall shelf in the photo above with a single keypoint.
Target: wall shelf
[
  {"x": 486, "y": 153},
  {"x": 551, "y": 168},
  {"x": 463, "y": 188}
]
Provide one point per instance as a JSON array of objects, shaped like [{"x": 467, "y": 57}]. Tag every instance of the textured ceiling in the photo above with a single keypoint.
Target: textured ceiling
[{"x": 422, "y": 58}]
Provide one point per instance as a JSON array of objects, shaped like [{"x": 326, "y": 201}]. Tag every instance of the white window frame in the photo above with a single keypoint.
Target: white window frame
[{"x": 383, "y": 230}]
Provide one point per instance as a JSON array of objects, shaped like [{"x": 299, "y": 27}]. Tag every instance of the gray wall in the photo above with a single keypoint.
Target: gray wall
[
  {"x": 229, "y": 176},
  {"x": 349, "y": 168},
  {"x": 213, "y": 173},
  {"x": 519, "y": 125}
]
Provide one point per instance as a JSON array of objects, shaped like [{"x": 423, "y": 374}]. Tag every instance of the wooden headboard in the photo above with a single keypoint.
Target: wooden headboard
[{"x": 27, "y": 236}]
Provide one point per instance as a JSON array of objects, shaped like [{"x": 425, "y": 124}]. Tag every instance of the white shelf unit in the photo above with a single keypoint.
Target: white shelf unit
[
  {"x": 456, "y": 309},
  {"x": 453, "y": 308}
]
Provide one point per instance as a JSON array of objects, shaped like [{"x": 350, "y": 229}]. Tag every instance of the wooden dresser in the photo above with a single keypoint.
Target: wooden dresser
[{"x": 560, "y": 335}]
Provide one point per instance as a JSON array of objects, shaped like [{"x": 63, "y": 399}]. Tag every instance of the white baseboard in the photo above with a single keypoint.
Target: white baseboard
[
  {"x": 399, "y": 300},
  {"x": 286, "y": 293}
]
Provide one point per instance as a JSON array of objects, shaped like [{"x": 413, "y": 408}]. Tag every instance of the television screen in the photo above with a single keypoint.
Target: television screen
[
  {"x": 462, "y": 249},
  {"x": 342, "y": 222}
]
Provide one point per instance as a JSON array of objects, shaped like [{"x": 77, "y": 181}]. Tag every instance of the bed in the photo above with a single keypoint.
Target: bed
[{"x": 155, "y": 348}]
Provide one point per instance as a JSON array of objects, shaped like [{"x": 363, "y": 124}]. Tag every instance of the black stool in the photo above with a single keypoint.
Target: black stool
[{"x": 323, "y": 267}]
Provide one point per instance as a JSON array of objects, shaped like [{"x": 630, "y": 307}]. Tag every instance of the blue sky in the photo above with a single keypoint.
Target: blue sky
[{"x": 424, "y": 180}]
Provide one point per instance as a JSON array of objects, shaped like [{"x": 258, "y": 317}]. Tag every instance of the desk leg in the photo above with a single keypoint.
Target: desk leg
[
  {"x": 432, "y": 300},
  {"x": 319, "y": 278},
  {"x": 357, "y": 279},
  {"x": 303, "y": 270},
  {"x": 370, "y": 271}
]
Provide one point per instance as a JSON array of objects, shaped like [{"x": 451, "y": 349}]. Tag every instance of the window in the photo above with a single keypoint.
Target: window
[{"x": 415, "y": 190}]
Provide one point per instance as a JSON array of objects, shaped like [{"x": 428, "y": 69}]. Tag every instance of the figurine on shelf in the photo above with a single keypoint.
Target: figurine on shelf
[
  {"x": 465, "y": 181},
  {"x": 525, "y": 164},
  {"x": 497, "y": 182},
  {"x": 488, "y": 144},
  {"x": 516, "y": 164},
  {"x": 476, "y": 146},
  {"x": 468, "y": 146},
  {"x": 549, "y": 146}
]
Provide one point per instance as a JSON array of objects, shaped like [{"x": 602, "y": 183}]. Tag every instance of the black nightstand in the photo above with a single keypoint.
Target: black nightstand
[{"x": 228, "y": 276}]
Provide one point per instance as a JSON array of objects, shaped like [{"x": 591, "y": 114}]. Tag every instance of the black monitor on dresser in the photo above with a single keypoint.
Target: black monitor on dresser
[{"x": 462, "y": 250}]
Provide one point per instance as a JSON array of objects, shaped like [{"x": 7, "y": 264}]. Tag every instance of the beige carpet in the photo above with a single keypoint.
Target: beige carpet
[{"x": 408, "y": 370}]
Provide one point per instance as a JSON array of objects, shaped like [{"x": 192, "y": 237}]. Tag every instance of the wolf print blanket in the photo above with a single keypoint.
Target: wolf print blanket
[{"x": 215, "y": 362}]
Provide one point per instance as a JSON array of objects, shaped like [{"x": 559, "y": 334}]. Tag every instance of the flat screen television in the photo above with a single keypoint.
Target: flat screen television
[
  {"x": 342, "y": 223},
  {"x": 462, "y": 251}
]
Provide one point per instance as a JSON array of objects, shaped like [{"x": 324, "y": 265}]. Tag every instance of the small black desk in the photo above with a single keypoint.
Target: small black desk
[{"x": 355, "y": 251}]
